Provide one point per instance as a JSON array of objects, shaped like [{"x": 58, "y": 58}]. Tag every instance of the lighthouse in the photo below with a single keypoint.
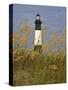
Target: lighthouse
[{"x": 38, "y": 34}]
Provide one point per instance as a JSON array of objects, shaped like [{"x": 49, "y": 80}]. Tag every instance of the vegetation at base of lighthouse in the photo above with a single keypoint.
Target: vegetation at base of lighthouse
[{"x": 31, "y": 67}]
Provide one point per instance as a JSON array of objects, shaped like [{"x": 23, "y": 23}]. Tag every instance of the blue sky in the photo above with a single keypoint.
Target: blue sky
[{"x": 53, "y": 17}]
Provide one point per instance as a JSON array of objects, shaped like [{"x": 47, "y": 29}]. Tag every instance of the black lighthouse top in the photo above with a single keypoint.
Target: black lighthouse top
[{"x": 37, "y": 22}]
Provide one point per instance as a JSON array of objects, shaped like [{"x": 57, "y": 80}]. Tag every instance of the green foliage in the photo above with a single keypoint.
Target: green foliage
[{"x": 31, "y": 67}]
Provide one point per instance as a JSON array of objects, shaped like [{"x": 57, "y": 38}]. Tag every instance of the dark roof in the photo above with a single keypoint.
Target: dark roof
[{"x": 37, "y": 14}]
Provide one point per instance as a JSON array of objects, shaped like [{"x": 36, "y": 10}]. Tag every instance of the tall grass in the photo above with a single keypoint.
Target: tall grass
[{"x": 31, "y": 67}]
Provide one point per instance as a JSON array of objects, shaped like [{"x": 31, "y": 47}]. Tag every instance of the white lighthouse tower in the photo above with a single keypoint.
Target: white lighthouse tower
[{"x": 38, "y": 34}]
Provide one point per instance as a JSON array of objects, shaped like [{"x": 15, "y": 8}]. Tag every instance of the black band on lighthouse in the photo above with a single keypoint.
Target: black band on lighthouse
[{"x": 37, "y": 22}]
